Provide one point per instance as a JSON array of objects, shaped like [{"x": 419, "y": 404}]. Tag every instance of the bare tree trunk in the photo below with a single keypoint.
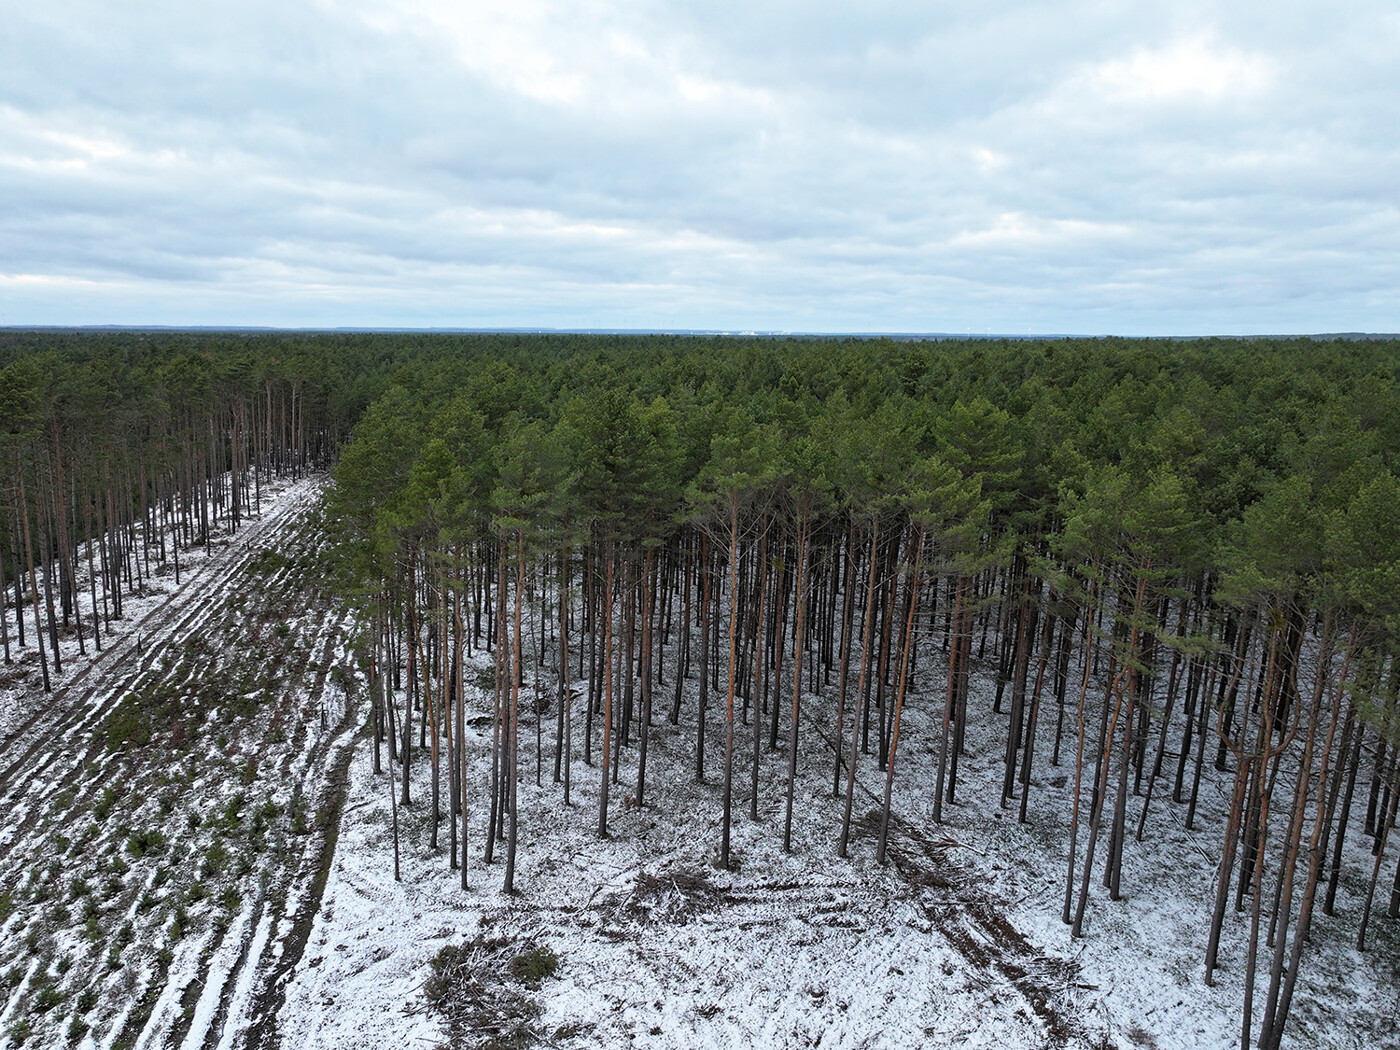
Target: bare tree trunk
[
  {"x": 860, "y": 701},
  {"x": 1077, "y": 806},
  {"x": 761, "y": 586},
  {"x": 513, "y": 725},
  {"x": 1280, "y": 988},
  {"x": 728, "y": 797},
  {"x": 648, "y": 608},
  {"x": 956, "y": 615},
  {"x": 904, "y": 661},
  {"x": 706, "y": 612},
  {"x": 607, "y": 692},
  {"x": 33, "y": 582},
  {"x": 801, "y": 600},
  {"x": 843, "y": 676}
]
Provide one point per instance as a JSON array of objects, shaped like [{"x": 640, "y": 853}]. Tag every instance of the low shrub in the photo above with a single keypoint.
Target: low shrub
[{"x": 126, "y": 725}]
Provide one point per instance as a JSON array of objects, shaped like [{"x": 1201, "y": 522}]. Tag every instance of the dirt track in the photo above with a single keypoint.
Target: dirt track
[{"x": 171, "y": 808}]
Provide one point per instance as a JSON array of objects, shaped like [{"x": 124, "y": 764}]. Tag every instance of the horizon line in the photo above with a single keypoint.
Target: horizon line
[{"x": 739, "y": 333}]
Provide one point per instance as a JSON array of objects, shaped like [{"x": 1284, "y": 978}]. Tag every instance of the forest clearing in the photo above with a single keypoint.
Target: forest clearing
[{"x": 811, "y": 719}]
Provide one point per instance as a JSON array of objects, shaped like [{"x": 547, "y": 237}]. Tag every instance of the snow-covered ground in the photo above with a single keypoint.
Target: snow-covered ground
[
  {"x": 657, "y": 946},
  {"x": 957, "y": 942},
  {"x": 160, "y": 804}
]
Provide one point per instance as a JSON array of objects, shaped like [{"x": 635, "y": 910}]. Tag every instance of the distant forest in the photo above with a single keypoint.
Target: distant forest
[{"x": 1169, "y": 556}]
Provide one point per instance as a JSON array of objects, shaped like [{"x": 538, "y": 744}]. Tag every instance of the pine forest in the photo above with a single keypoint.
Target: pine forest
[{"x": 692, "y": 691}]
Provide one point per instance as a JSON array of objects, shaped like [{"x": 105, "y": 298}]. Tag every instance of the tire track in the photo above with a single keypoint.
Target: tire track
[
  {"x": 66, "y": 732},
  {"x": 264, "y": 1032},
  {"x": 78, "y": 704},
  {"x": 269, "y": 631},
  {"x": 976, "y": 926}
]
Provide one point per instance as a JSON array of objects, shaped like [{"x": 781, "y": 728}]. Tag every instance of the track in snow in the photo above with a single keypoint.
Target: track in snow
[{"x": 160, "y": 875}]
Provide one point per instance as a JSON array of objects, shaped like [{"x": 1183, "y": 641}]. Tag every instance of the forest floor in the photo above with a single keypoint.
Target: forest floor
[
  {"x": 956, "y": 942},
  {"x": 195, "y": 853}
]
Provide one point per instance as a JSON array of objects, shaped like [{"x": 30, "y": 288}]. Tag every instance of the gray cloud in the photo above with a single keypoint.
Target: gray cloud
[{"x": 1007, "y": 166}]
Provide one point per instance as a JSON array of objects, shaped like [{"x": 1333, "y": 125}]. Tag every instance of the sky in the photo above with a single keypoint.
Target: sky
[{"x": 1065, "y": 166}]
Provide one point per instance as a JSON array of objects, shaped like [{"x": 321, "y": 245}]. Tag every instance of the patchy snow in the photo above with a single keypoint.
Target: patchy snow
[
  {"x": 241, "y": 1000},
  {"x": 216, "y": 977},
  {"x": 658, "y": 947},
  {"x": 806, "y": 948},
  {"x": 187, "y": 967},
  {"x": 148, "y": 612},
  {"x": 153, "y": 792}
]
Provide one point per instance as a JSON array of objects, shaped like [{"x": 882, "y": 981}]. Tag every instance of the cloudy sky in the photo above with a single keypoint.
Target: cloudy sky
[{"x": 1081, "y": 166}]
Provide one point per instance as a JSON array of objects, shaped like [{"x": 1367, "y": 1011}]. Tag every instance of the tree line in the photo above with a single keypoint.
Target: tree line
[{"x": 120, "y": 454}]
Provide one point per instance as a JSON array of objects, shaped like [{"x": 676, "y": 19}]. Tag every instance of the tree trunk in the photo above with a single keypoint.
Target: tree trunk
[
  {"x": 860, "y": 701},
  {"x": 728, "y": 797},
  {"x": 906, "y": 649}
]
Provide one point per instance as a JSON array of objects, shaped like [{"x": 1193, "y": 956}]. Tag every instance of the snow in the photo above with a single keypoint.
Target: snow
[
  {"x": 780, "y": 957},
  {"x": 204, "y": 573},
  {"x": 186, "y": 968},
  {"x": 216, "y": 977},
  {"x": 805, "y": 947},
  {"x": 243, "y": 986},
  {"x": 787, "y": 951}
]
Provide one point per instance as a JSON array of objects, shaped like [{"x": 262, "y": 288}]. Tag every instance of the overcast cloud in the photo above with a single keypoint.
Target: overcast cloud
[{"x": 1080, "y": 166}]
